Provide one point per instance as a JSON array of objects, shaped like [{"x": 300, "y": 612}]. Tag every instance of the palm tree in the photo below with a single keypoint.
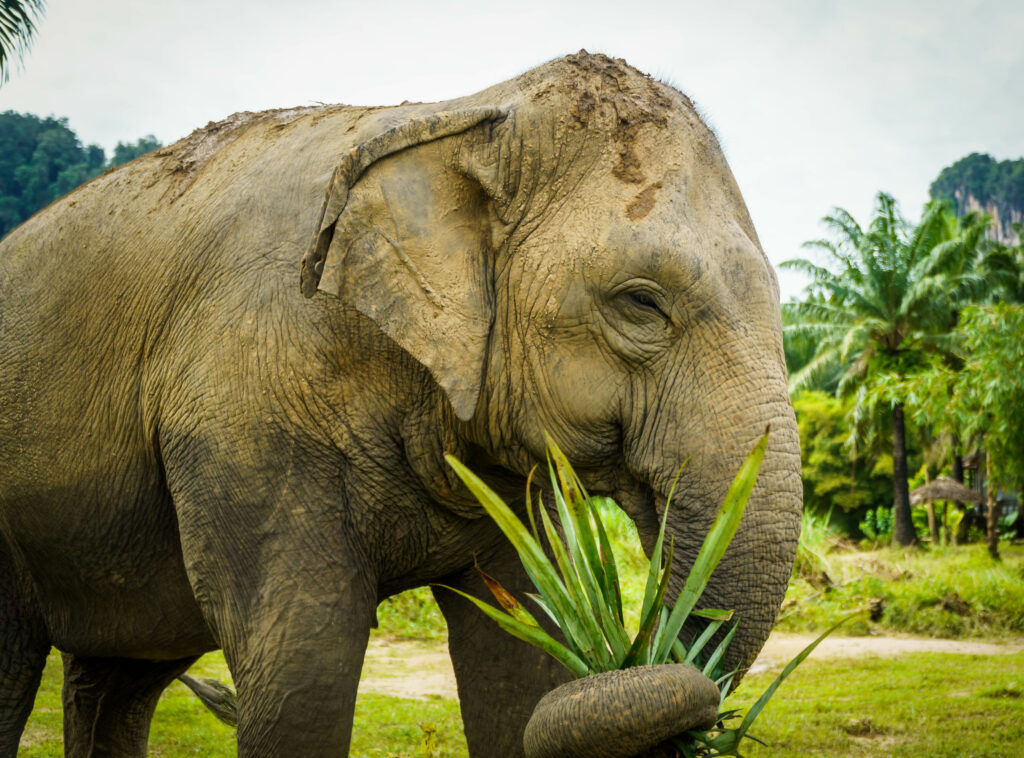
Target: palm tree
[
  {"x": 17, "y": 26},
  {"x": 882, "y": 303}
]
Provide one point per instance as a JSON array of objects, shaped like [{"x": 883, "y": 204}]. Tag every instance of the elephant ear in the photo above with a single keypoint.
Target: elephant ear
[{"x": 405, "y": 238}]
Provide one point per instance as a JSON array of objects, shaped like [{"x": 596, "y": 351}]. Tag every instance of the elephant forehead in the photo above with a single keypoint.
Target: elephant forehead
[{"x": 691, "y": 225}]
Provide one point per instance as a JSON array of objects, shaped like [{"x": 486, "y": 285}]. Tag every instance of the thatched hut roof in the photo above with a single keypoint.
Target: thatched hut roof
[{"x": 945, "y": 488}]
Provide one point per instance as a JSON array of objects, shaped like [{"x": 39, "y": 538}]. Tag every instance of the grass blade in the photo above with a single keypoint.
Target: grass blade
[
  {"x": 713, "y": 614},
  {"x": 588, "y": 638},
  {"x": 587, "y": 576},
  {"x": 654, "y": 569},
  {"x": 613, "y": 588},
  {"x": 716, "y": 657},
  {"x": 529, "y": 505},
  {"x": 505, "y": 598},
  {"x": 639, "y": 652},
  {"x": 701, "y": 641}
]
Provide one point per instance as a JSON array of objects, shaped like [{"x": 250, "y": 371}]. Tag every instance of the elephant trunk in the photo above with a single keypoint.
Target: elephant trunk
[
  {"x": 714, "y": 433},
  {"x": 621, "y": 714},
  {"x": 752, "y": 577}
]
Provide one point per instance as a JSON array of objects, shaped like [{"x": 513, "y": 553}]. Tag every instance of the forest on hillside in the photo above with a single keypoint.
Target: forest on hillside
[
  {"x": 980, "y": 182},
  {"x": 42, "y": 159}
]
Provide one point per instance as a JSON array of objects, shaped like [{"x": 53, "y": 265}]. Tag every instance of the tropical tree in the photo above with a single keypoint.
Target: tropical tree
[
  {"x": 837, "y": 484},
  {"x": 983, "y": 398},
  {"x": 976, "y": 271},
  {"x": 17, "y": 27},
  {"x": 989, "y": 398},
  {"x": 878, "y": 307}
]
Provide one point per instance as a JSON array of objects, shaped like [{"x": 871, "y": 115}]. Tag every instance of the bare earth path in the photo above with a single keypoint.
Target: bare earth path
[{"x": 409, "y": 668}]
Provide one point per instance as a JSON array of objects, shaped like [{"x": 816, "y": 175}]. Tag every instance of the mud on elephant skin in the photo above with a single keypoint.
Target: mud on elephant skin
[{"x": 199, "y": 451}]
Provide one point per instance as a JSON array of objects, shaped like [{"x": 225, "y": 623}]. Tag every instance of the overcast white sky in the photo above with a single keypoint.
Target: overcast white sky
[{"x": 817, "y": 103}]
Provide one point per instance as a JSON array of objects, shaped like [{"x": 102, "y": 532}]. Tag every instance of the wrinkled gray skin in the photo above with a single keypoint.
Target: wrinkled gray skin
[
  {"x": 193, "y": 455},
  {"x": 620, "y": 714}
]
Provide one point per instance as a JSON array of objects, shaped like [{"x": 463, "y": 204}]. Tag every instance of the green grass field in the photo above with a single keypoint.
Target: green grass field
[{"x": 921, "y": 704}]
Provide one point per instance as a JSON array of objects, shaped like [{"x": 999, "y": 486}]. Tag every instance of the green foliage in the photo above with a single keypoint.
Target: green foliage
[
  {"x": 988, "y": 182},
  {"x": 42, "y": 159},
  {"x": 129, "y": 151},
  {"x": 582, "y": 596},
  {"x": 988, "y": 392},
  {"x": 880, "y": 308},
  {"x": 942, "y": 592},
  {"x": 816, "y": 534},
  {"x": 835, "y": 476},
  {"x": 18, "y": 20},
  {"x": 983, "y": 399},
  {"x": 412, "y": 614},
  {"x": 880, "y": 294},
  {"x": 1010, "y": 260},
  {"x": 800, "y": 348},
  {"x": 877, "y": 525}
]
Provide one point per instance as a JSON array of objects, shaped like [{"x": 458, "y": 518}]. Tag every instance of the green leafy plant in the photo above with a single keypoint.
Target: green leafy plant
[
  {"x": 579, "y": 591},
  {"x": 811, "y": 560},
  {"x": 877, "y": 524}
]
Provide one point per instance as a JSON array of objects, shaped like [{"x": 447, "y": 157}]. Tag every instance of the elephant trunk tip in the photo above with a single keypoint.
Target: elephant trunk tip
[{"x": 620, "y": 714}]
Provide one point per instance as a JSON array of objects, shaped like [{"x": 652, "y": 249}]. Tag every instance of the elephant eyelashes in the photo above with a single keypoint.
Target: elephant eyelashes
[{"x": 647, "y": 301}]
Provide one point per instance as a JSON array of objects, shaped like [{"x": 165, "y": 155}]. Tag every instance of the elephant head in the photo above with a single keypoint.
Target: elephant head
[{"x": 569, "y": 252}]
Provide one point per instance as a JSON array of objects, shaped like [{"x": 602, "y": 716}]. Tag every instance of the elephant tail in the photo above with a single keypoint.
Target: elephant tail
[
  {"x": 216, "y": 696},
  {"x": 620, "y": 714}
]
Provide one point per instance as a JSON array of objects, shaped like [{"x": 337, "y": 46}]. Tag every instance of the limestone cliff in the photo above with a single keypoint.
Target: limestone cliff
[{"x": 978, "y": 182}]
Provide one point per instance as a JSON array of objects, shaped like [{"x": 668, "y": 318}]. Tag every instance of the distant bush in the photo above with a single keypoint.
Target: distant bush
[{"x": 877, "y": 525}]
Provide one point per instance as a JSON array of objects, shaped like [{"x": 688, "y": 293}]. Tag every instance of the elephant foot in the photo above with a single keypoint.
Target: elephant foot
[{"x": 621, "y": 714}]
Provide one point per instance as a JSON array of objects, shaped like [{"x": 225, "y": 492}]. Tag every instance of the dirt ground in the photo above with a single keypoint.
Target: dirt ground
[{"x": 422, "y": 669}]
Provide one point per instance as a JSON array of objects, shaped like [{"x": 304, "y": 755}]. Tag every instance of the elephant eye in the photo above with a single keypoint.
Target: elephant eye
[
  {"x": 648, "y": 301},
  {"x": 644, "y": 299}
]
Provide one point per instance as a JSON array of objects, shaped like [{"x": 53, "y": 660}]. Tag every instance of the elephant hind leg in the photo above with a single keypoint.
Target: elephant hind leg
[
  {"x": 24, "y": 645},
  {"x": 109, "y": 702}
]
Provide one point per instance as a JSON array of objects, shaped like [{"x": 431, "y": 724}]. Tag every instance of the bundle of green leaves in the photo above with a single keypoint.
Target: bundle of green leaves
[{"x": 579, "y": 591}]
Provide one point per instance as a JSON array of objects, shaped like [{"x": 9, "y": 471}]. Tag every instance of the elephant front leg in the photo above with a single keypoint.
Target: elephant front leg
[
  {"x": 297, "y": 673},
  {"x": 500, "y": 679},
  {"x": 291, "y": 605}
]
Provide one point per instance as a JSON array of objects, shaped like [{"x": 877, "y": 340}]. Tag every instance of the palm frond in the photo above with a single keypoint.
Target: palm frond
[
  {"x": 17, "y": 28},
  {"x": 825, "y": 362},
  {"x": 842, "y": 223}
]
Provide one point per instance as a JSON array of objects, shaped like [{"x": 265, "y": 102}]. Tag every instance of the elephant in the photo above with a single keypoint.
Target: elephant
[{"x": 226, "y": 396}]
